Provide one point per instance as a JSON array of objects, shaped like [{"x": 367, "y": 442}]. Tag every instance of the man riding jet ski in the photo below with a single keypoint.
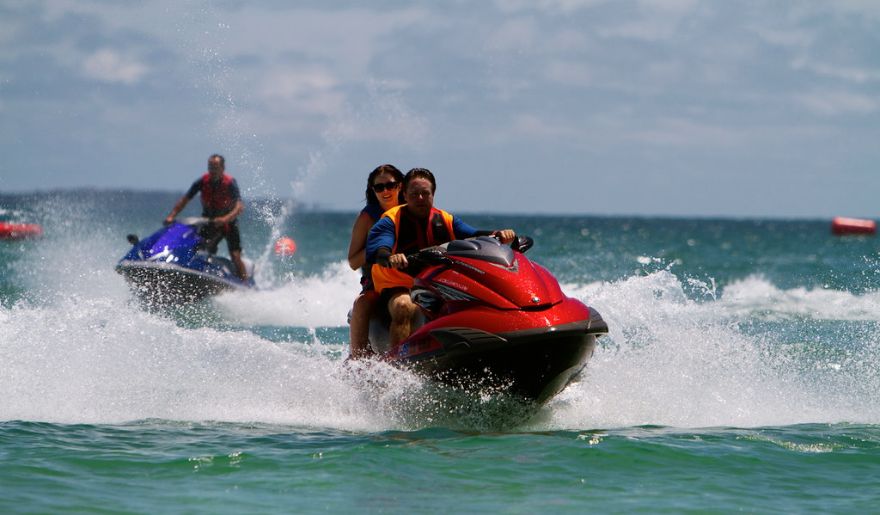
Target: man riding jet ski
[
  {"x": 221, "y": 205},
  {"x": 483, "y": 313},
  {"x": 178, "y": 262},
  {"x": 407, "y": 228}
]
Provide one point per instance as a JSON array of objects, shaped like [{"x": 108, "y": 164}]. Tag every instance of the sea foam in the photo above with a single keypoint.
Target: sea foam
[{"x": 84, "y": 352}]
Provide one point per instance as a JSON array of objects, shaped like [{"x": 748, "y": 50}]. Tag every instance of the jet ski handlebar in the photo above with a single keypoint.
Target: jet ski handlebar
[
  {"x": 438, "y": 255},
  {"x": 194, "y": 220},
  {"x": 522, "y": 243},
  {"x": 191, "y": 220},
  {"x": 429, "y": 256}
]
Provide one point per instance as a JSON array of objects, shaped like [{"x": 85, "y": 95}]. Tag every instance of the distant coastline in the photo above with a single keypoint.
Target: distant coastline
[{"x": 170, "y": 195}]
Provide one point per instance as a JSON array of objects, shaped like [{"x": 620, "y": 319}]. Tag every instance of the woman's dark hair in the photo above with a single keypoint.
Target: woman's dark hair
[
  {"x": 423, "y": 173},
  {"x": 392, "y": 170}
]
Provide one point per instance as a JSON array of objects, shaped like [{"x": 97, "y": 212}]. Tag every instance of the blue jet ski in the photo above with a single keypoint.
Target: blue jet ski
[{"x": 174, "y": 265}]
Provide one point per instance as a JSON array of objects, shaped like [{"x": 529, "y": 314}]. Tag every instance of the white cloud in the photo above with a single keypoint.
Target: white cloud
[
  {"x": 385, "y": 116},
  {"x": 681, "y": 132},
  {"x": 310, "y": 91},
  {"x": 401, "y": 128},
  {"x": 865, "y": 8},
  {"x": 849, "y": 74},
  {"x": 567, "y": 40},
  {"x": 569, "y": 73},
  {"x": 789, "y": 38},
  {"x": 345, "y": 41},
  {"x": 310, "y": 99},
  {"x": 657, "y": 20},
  {"x": 671, "y": 6},
  {"x": 650, "y": 29},
  {"x": 833, "y": 103},
  {"x": 606, "y": 130},
  {"x": 109, "y": 66},
  {"x": 675, "y": 77},
  {"x": 514, "y": 35},
  {"x": 552, "y": 6},
  {"x": 507, "y": 88},
  {"x": 532, "y": 126}
]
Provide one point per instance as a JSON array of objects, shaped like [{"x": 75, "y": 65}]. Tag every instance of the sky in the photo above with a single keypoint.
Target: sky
[{"x": 604, "y": 107}]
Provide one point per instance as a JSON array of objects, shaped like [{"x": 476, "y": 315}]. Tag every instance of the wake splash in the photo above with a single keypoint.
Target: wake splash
[
  {"x": 750, "y": 355},
  {"x": 754, "y": 356},
  {"x": 98, "y": 362},
  {"x": 311, "y": 301}
]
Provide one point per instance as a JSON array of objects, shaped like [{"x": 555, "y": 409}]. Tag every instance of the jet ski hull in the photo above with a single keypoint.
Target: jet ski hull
[
  {"x": 532, "y": 365},
  {"x": 535, "y": 361},
  {"x": 162, "y": 282},
  {"x": 172, "y": 266},
  {"x": 491, "y": 321}
]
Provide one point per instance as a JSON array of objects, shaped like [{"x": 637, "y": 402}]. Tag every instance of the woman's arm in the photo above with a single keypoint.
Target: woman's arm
[{"x": 357, "y": 248}]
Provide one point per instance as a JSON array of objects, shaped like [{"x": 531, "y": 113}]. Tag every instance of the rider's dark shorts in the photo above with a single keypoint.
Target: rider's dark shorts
[
  {"x": 366, "y": 280},
  {"x": 387, "y": 293},
  {"x": 382, "y": 309},
  {"x": 214, "y": 233}
]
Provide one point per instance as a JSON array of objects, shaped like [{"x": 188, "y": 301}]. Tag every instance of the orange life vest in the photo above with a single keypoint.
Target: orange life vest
[{"x": 384, "y": 278}]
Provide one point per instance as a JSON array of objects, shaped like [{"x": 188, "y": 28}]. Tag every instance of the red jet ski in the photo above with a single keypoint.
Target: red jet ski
[
  {"x": 493, "y": 318},
  {"x": 19, "y": 231}
]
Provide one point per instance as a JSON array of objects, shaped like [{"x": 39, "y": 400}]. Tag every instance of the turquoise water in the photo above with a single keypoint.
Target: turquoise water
[{"x": 740, "y": 374}]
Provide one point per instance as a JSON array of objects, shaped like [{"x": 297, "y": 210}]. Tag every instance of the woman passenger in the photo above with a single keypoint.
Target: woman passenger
[{"x": 383, "y": 193}]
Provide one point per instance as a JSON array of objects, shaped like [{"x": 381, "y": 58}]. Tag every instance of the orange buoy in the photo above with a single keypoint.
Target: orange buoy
[
  {"x": 842, "y": 225},
  {"x": 285, "y": 246},
  {"x": 16, "y": 231}
]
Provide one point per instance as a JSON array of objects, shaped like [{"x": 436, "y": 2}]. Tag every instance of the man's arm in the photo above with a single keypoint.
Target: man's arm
[
  {"x": 463, "y": 230},
  {"x": 184, "y": 200},
  {"x": 178, "y": 207},
  {"x": 230, "y": 216},
  {"x": 380, "y": 241},
  {"x": 237, "y": 208}
]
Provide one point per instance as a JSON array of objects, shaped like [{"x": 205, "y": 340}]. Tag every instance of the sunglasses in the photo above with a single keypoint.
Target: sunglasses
[{"x": 382, "y": 186}]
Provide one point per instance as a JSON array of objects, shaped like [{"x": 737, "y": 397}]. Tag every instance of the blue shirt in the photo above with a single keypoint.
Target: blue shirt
[
  {"x": 382, "y": 235},
  {"x": 374, "y": 211}
]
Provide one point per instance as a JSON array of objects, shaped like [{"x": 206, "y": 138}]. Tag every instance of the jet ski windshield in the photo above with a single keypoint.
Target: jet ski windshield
[{"x": 484, "y": 248}]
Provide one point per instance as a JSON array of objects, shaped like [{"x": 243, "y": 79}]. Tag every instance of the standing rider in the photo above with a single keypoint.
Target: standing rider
[
  {"x": 405, "y": 229},
  {"x": 221, "y": 204}
]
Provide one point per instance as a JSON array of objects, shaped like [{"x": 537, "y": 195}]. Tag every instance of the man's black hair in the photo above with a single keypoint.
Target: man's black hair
[
  {"x": 221, "y": 158},
  {"x": 423, "y": 173}
]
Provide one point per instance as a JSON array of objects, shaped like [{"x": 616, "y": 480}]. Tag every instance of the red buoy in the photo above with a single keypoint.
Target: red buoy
[
  {"x": 285, "y": 246},
  {"x": 16, "y": 231},
  {"x": 842, "y": 225}
]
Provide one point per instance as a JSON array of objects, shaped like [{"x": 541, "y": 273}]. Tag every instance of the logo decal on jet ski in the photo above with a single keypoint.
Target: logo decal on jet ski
[
  {"x": 165, "y": 255},
  {"x": 471, "y": 267},
  {"x": 452, "y": 284},
  {"x": 452, "y": 293},
  {"x": 414, "y": 348}
]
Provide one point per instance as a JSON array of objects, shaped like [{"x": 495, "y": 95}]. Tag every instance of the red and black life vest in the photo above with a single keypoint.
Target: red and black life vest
[
  {"x": 439, "y": 230},
  {"x": 217, "y": 197}
]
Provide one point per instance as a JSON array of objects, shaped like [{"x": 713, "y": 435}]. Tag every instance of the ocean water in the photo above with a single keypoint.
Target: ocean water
[{"x": 740, "y": 373}]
